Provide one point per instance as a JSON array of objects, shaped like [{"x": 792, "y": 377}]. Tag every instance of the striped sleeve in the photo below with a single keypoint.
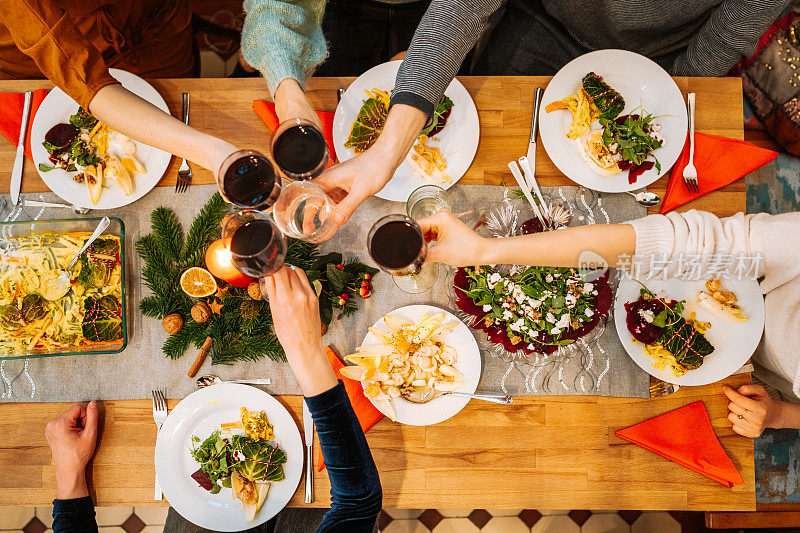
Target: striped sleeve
[
  {"x": 449, "y": 29},
  {"x": 730, "y": 33}
]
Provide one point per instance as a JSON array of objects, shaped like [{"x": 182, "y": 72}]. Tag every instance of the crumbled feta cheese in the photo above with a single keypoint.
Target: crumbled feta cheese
[
  {"x": 647, "y": 315},
  {"x": 507, "y": 315},
  {"x": 570, "y": 300},
  {"x": 563, "y": 322},
  {"x": 487, "y": 308},
  {"x": 555, "y": 331},
  {"x": 587, "y": 288},
  {"x": 492, "y": 280},
  {"x": 517, "y": 326},
  {"x": 550, "y": 318},
  {"x": 548, "y": 278},
  {"x": 589, "y": 312}
]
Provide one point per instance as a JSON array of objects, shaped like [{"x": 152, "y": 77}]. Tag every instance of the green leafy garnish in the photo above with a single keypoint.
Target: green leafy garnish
[
  {"x": 45, "y": 168},
  {"x": 633, "y": 142},
  {"x": 262, "y": 461},
  {"x": 102, "y": 319}
]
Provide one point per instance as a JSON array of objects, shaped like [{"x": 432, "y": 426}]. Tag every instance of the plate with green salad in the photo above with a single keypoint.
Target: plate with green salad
[
  {"x": 613, "y": 121},
  {"x": 229, "y": 457}
]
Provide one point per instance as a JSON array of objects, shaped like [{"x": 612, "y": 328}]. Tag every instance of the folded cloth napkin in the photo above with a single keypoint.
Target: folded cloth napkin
[
  {"x": 366, "y": 413},
  {"x": 719, "y": 161},
  {"x": 266, "y": 110},
  {"x": 11, "y": 116},
  {"x": 686, "y": 437}
]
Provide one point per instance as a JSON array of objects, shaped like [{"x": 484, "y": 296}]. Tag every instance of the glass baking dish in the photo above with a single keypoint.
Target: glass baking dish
[{"x": 18, "y": 229}]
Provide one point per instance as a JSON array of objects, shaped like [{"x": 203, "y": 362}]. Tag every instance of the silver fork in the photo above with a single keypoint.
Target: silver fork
[
  {"x": 690, "y": 172},
  {"x": 159, "y": 415},
  {"x": 184, "y": 172}
]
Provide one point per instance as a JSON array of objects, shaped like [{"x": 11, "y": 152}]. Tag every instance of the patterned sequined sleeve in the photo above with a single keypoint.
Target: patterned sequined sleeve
[{"x": 730, "y": 33}]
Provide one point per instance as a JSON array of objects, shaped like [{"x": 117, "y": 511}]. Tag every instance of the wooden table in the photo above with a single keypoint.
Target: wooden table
[{"x": 540, "y": 452}]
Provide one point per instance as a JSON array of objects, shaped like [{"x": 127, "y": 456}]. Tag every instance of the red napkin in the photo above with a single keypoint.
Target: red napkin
[
  {"x": 366, "y": 413},
  {"x": 719, "y": 161},
  {"x": 686, "y": 437},
  {"x": 266, "y": 110},
  {"x": 11, "y": 116}
]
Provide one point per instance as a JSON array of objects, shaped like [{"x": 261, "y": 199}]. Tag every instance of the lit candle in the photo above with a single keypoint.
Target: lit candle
[{"x": 219, "y": 261}]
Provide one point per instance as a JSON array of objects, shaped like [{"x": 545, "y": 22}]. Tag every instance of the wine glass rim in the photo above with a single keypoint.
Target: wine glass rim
[
  {"x": 276, "y": 232},
  {"x": 393, "y": 217},
  {"x": 300, "y": 176},
  {"x": 284, "y": 195}
]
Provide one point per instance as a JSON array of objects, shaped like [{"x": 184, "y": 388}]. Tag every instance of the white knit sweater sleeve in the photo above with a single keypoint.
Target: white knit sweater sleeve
[{"x": 680, "y": 241}]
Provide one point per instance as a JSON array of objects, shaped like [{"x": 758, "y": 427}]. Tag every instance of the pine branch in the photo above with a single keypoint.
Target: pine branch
[
  {"x": 150, "y": 306},
  {"x": 167, "y": 232},
  {"x": 203, "y": 230},
  {"x": 177, "y": 344}
]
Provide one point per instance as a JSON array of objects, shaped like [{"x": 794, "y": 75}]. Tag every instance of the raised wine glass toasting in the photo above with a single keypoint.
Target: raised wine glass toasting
[
  {"x": 299, "y": 149},
  {"x": 397, "y": 245},
  {"x": 249, "y": 180},
  {"x": 258, "y": 248}
]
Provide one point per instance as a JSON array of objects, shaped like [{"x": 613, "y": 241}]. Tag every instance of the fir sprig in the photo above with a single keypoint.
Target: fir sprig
[{"x": 243, "y": 328}]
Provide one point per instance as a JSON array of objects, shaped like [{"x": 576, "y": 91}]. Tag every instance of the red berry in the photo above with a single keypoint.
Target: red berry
[
  {"x": 367, "y": 276},
  {"x": 340, "y": 266},
  {"x": 345, "y": 296},
  {"x": 363, "y": 292},
  {"x": 364, "y": 284},
  {"x": 341, "y": 301}
]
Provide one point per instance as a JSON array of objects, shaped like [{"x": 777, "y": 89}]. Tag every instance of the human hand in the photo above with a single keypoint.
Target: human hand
[
  {"x": 295, "y": 320},
  {"x": 72, "y": 438},
  {"x": 456, "y": 244},
  {"x": 751, "y": 409},
  {"x": 291, "y": 103},
  {"x": 351, "y": 182}
]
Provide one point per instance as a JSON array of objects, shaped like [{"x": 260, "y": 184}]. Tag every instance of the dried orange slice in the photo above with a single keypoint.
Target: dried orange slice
[{"x": 198, "y": 282}]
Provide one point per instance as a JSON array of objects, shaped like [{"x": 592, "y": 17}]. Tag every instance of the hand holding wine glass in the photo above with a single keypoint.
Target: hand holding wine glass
[{"x": 456, "y": 244}]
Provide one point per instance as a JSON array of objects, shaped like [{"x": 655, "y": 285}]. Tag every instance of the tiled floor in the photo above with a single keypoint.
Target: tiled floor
[{"x": 151, "y": 520}]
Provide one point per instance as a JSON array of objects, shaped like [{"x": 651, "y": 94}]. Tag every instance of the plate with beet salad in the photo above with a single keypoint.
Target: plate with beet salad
[
  {"x": 613, "y": 121},
  {"x": 689, "y": 332},
  {"x": 444, "y": 149},
  {"x": 82, "y": 171}
]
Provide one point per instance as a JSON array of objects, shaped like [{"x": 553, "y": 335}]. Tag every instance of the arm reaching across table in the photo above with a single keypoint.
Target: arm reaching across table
[
  {"x": 46, "y": 33},
  {"x": 355, "y": 486}
]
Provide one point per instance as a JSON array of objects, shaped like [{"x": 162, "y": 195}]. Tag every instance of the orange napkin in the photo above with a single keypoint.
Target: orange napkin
[
  {"x": 686, "y": 437},
  {"x": 719, "y": 161},
  {"x": 366, "y": 413},
  {"x": 11, "y": 116},
  {"x": 266, "y": 110}
]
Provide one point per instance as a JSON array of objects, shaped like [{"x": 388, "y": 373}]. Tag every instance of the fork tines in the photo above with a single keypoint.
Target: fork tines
[
  {"x": 159, "y": 400},
  {"x": 184, "y": 180}
]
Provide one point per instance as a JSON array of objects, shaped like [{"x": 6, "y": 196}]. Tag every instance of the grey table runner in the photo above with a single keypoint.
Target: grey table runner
[{"x": 142, "y": 366}]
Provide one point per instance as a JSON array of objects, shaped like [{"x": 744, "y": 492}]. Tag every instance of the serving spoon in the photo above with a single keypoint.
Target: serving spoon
[
  {"x": 430, "y": 394},
  {"x": 646, "y": 198},
  {"x": 58, "y": 286},
  {"x": 211, "y": 379}
]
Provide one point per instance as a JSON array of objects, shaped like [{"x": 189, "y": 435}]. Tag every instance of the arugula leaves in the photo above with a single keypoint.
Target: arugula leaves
[{"x": 630, "y": 135}]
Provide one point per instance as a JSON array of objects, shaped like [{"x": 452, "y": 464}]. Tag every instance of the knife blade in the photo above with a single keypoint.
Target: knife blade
[
  {"x": 537, "y": 101},
  {"x": 19, "y": 159},
  {"x": 308, "y": 429}
]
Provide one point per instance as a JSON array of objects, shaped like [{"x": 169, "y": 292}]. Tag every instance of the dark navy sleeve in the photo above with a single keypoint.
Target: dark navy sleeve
[
  {"x": 356, "y": 494},
  {"x": 74, "y": 516}
]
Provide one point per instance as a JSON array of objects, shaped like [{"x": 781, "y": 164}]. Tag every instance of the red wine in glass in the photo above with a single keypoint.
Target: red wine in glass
[
  {"x": 257, "y": 247},
  {"x": 397, "y": 246},
  {"x": 300, "y": 150},
  {"x": 248, "y": 179}
]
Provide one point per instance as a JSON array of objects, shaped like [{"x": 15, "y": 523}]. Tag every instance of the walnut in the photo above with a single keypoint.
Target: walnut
[
  {"x": 254, "y": 291},
  {"x": 516, "y": 339},
  {"x": 201, "y": 312},
  {"x": 172, "y": 323},
  {"x": 488, "y": 321}
]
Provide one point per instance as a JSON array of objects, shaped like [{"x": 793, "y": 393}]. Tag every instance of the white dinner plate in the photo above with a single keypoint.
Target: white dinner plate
[
  {"x": 468, "y": 363},
  {"x": 200, "y": 414},
  {"x": 734, "y": 342},
  {"x": 458, "y": 141},
  {"x": 642, "y": 83},
  {"x": 57, "y": 108}
]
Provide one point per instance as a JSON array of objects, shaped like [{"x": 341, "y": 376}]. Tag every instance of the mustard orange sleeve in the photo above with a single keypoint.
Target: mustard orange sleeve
[{"x": 45, "y": 33}]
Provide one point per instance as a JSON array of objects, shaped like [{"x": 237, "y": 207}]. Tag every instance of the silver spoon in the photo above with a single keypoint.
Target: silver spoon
[
  {"x": 430, "y": 394},
  {"x": 646, "y": 198},
  {"x": 57, "y": 287},
  {"x": 78, "y": 210},
  {"x": 211, "y": 379}
]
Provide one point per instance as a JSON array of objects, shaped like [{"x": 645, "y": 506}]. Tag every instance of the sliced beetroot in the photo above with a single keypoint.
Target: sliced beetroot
[
  {"x": 468, "y": 306},
  {"x": 639, "y": 328},
  {"x": 637, "y": 171},
  {"x": 533, "y": 225},
  {"x": 203, "y": 479},
  {"x": 461, "y": 280},
  {"x": 495, "y": 334},
  {"x": 604, "y": 299},
  {"x": 61, "y": 135}
]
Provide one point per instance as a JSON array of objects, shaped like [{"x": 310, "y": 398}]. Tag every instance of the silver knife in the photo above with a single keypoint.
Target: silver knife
[
  {"x": 19, "y": 160},
  {"x": 308, "y": 428},
  {"x": 537, "y": 101}
]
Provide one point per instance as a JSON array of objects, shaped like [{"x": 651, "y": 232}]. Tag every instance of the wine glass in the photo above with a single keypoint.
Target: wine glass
[
  {"x": 258, "y": 248},
  {"x": 299, "y": 149},
  {"x": 397, "y": 245},
  {"x": 427, "y": 200},
  {"x": 248, "y": 179},
  {"x": 303, "y": 211}
]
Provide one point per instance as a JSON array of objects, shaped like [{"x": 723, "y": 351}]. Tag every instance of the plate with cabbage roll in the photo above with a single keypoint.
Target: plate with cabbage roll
[
  {"x": 613, "y": 121},
  {"x": 689, "y": 332},
  {"x": 441, "y": 154}
]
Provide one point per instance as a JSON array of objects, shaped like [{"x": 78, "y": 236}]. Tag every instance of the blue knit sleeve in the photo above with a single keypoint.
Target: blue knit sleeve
[
  {"x": 74, "y": 516},
  {"x": 283, "y": 39}
]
